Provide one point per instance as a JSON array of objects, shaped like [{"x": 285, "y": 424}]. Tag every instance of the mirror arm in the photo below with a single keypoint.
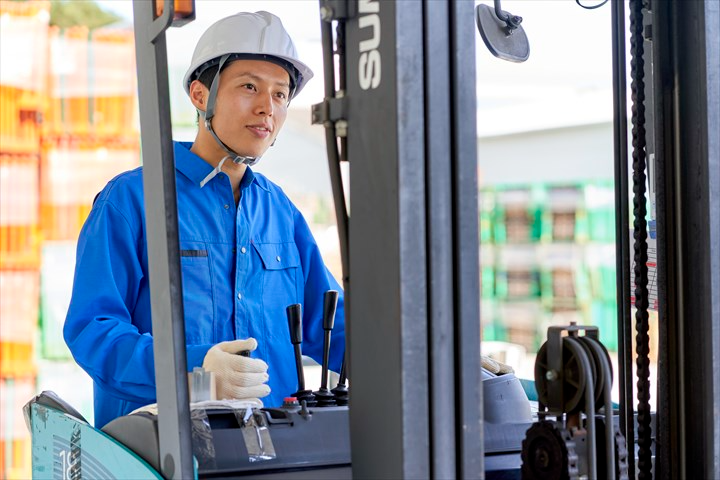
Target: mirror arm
[{"x": 512, "y": 21}]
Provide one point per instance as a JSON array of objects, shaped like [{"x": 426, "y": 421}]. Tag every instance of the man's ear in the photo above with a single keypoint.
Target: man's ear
[{"x": 198, "y": 95}]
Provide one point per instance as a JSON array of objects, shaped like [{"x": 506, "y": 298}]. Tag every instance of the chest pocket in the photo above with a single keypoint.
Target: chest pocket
[
  {"x": 281, "y": 262},
  {"x": 197, "y": 294}
]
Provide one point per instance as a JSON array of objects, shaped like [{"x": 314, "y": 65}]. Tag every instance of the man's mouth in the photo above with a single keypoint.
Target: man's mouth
[{"x": 261, "y": 131}]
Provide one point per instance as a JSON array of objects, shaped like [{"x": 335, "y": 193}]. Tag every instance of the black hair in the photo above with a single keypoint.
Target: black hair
[{"x": 207, "y": 76}]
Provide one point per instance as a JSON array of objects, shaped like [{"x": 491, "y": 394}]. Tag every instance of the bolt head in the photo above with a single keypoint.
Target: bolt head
[{"x": 326, "y": 13}]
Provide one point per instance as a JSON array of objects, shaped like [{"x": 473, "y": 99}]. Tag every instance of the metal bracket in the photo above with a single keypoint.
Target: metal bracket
[
  {"x": 556, "y": 396},
  {"x": 332, "y": 110},
  {"x": 335, "y": 10},
  {"x": 163, "y": 22}
]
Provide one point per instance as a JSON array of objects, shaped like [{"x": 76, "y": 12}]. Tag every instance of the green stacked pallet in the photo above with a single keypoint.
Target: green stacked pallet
[
  {"x": 600, "y": 205},
  {"x": 487, "y": 271},
  {"x": 604, "y": 316},
  {"x": 56, "y": 278},
  {"x": 564, "y": 217},
  {"x": 517, "y": 276},
  {"x": 492, "y": 326},
  {"x": 517, "y": 217},
  {"x": 554, "y": 259},
  {"x": 486, "y": 199}
]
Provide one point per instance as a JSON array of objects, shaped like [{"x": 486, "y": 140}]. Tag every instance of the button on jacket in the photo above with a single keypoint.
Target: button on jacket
[{"x": 241, "y": 266}]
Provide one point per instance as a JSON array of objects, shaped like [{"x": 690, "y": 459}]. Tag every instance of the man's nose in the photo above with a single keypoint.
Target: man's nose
[{"x": 264, "y": 104}]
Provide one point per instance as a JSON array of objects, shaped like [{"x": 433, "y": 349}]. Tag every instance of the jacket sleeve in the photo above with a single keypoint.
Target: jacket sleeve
[
  {"x": 99, "y": 329},
  {"x": 318, "y": 280}
]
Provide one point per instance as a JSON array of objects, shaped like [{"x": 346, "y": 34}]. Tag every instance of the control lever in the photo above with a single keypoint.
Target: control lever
[
  {"x": 323, "y": 396},
  {"x": 294, "y": 316},
  {"x": 341, "y": 390}
]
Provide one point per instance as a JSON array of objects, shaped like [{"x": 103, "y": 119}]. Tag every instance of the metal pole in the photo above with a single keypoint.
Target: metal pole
[
  {"x": 622, "y": 227},
  {"x": 466, "y": 261},
  {"x": 438, "y": 185},
  {"x": 174, "y": 429},
  {"x": 386, "y": 154}
]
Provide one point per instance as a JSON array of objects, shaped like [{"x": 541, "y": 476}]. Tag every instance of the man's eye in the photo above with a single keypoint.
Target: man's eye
[
  {"x": 282, "y": 95},
  {"x": 249, "y": 86}
]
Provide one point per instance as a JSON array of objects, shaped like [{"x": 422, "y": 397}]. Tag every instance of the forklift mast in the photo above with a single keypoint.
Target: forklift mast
[{"x": 403, "y": 115}]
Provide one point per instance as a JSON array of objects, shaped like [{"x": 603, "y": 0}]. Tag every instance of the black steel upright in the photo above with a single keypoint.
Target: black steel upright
[
  {"x": 388, "y": 333},
  {"x": 622, "y": 225},
  {"x": 440, "y": 223},
  {"x": 466, "y": 256},
  {"x": 162, "y": 240},
  {"x": 686, "y": 38},
  {"x": 414, "y": 337}
]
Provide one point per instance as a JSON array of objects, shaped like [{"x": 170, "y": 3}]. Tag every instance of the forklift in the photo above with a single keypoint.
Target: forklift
[{"x": 400, "y": 109}]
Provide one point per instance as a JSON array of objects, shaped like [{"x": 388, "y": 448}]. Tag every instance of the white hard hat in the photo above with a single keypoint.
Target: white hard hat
[{"x": 247, "y": 34}]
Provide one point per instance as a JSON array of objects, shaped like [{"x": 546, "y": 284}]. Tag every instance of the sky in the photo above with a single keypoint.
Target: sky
[{"x": 569, "y": 64}]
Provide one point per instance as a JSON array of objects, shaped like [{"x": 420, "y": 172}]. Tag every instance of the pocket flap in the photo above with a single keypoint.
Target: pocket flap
[{"x": 277, "y": 256}]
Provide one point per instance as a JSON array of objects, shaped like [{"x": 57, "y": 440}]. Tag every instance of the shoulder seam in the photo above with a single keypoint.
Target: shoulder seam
[{"x": 122, "y": 214}]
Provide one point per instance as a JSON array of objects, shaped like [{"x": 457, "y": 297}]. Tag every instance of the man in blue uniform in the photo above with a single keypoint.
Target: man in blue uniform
[{"x": 246, "y": 251}]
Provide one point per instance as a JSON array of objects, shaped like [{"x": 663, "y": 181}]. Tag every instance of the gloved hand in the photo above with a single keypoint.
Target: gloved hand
[
  {"x": 493, "y": 366},
  {"x": 236, "y": 376}
]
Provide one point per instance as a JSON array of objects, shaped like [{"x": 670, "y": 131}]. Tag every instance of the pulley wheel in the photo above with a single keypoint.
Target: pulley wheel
[
  {"x": 598, "y": 380},
  {"x": 573, "y": 383},
  {"x": 594, "y": 349}
]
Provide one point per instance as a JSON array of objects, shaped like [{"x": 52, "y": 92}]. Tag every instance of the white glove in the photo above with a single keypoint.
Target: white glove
[
  {"x": 237, "y": 377},
  {"x": 496, "y": 367}
]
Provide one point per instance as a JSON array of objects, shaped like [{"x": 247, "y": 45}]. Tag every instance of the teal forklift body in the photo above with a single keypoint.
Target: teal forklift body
[{"x": 64, "y": 447}]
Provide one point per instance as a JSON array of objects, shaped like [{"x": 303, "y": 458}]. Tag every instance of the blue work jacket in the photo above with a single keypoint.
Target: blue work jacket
[{"x": 241, "y": 267}]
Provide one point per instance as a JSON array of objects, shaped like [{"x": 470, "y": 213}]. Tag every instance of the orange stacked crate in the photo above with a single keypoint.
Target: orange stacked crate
[
  {"x": 23, "y": 66},
  {"x": 73, "y": 171},
  {"x": 19, "y": 304},
  {"x": 19, "y": 192},
  {"x": 114, "y": 89},
  {"x": 23, "y": 63},
  {"x": 15, "y": 452},
  {"x": 91, "y": 83},
  {"x": 19, "y": 119},
  {"x": 67, "y": 108},
  {"x": 19, "y": 300},
  {"x": 91, "y": 128}
]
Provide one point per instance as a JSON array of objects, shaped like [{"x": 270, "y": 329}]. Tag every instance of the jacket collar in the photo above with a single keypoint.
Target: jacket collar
[{"x": 196, "y": 169}]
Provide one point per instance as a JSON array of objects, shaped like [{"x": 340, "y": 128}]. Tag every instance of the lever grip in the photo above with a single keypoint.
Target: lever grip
[
  {"x": 329, "y": 309},
  {"x": 294, "y": 316}
]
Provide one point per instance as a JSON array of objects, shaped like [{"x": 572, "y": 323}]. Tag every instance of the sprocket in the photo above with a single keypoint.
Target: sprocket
[{"x": 548, "y": 452}]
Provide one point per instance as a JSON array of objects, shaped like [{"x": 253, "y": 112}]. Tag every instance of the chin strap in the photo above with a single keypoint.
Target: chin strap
[
  {"x": 214, "y": 172},
  {"x": 209, "y": 114}
]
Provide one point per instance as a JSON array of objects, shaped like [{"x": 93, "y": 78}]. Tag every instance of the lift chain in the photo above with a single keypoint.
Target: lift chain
[
  {"x": 621, "y": 456},
  {"x": 640, "y": 234}
]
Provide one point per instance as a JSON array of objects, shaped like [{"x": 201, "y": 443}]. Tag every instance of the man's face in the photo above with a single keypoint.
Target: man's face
[{"x": 251, "y": 105}]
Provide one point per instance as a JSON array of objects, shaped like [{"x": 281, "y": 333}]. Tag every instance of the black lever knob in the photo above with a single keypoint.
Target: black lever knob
[
  {"x": 329, "y": 308},
  {"x": 324, "y": 397},
  {"x": 294, "y": 316},
  {"x": 341, "y": 390}
]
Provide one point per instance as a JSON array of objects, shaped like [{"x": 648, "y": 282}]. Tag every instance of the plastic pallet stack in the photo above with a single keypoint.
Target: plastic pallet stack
[
  {"x": 547, "y": 258},
  {"x": 68, "y": 124},
  {"x": 90, "y": 135},
  {"x": 90, "y": 128},
  {"x": 23, "y": 66}
]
